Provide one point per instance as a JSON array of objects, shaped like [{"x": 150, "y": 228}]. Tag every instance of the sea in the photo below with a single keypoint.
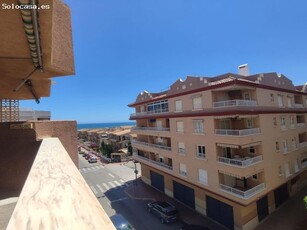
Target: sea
[{"x": 105, "y": 125}]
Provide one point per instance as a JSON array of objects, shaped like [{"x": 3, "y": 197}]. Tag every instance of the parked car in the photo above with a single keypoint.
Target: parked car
[
  {"x": 121, "y": 223},
  {"x": 92, "y": 160},
  {"x": 166, "y": 212}
]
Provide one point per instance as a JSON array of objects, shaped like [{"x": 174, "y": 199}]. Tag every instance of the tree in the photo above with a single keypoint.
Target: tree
[
  {"x": 305, "y": 200},
  {"x": 106, "y": 149},
  {"x": 129, "y": 149}
]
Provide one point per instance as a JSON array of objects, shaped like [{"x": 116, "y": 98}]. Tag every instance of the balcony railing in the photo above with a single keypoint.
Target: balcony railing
[
  {"x": 298, "y": 106},
  {"x": 242, "y": 132},
  {"x": 304, "y": 164},
  {"x": 151, "y": 129},
  {"x": 149, "y": 112},
  {"x": 301, "y": 124},
  {"x": 152, "y": 145},
  {"x": 231, "y": 103},
  {"x": 154, "y": 162},
  {"x": 243, "y": 194},
  {"x": 55, "y": 195},
  {"x": 302, "y": 144},
  {"x": 240, "y": 162}
]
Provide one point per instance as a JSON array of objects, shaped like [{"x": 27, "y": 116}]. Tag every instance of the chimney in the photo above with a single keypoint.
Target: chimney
[{"x": 243, "y": 70}]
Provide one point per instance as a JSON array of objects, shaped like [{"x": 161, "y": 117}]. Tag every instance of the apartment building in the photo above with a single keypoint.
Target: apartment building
[{"x": 233, "y": 147}]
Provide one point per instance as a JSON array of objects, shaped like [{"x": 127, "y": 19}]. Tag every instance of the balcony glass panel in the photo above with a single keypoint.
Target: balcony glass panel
[
  {"x": 242, "y": 132},
  {"x": 244, "y": 194},
  {"x": 230, "y": 103},
  {"x": 240, "y": 162}
]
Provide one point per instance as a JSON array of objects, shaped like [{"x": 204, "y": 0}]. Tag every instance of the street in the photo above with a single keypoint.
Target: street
[{"x": 108, "y": 183}]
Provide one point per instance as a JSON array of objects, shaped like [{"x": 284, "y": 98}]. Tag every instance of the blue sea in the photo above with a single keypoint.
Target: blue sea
[{"x": 104, "y": 125}]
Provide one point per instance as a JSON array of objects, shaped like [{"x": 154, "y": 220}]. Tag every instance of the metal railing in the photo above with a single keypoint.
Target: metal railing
[
  {"x": 230, "y": 103},
  {"x": 242, "y": 162},
  {"x": 233, "y": 132},
  {"x": 151, "y": 128},
  {"x": 243, "y": 194},
  {"x": 154, "y": 162},
  {"x": 152, "y": 145}
]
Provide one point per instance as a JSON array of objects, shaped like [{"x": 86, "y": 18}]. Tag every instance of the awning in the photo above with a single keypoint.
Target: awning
[
  {"x": 225, "y": 117},
  {"x": 251, "y": 144},
  {"x": 230, "y": 174},
  {"x": 253, "y": 173},
  {"x": 227, "y": 145}
]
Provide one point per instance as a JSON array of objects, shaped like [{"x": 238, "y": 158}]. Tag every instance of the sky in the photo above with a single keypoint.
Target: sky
[{"x": 122, "y": 48}]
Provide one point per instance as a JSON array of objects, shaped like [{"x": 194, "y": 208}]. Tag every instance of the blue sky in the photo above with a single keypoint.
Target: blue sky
[{"x": 123, "y": 47}]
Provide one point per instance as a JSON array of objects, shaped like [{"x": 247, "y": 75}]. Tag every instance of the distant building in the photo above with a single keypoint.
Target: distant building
[
  {"x": 232, "y": 147},
  {"x": 26, "y": 114}
]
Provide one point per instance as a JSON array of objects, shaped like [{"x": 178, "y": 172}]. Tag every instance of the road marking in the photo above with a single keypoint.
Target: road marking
[
  {"x": 101, "y": 189},
  {"x": 106, "y": 186},
  {"x": 117, "y": 183},
  {"x": 111, "y": 175},
  {"x": 96, "y": 167},
  {"x": 112, "y": 185},
  {"x": 122, "y": 181},
  {"x": 124, "y": 198},
  {"x": 84, "y": 169},
  {"x": 101, "y": 166},
  {"x": 93, "y": 189}
]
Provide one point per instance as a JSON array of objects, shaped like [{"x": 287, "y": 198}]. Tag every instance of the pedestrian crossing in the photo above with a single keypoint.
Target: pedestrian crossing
[
  {"x": 92, "y": 168},
  {"x": 103, "y": 187}
]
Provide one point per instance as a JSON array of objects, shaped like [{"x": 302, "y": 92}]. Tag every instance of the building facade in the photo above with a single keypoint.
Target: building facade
[{"x": 232, "y": 147}]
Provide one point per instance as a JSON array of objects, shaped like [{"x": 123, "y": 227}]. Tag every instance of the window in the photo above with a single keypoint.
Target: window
[
  {"x": 183, "y": 169},
  {"x": 179, "y": 127},
  {"x": 198, "y": 126},
  {"x": 158, "y": 107},
  {"x": 285, "y": 146},
  {"x": 201, "y": 151},
  {"x": 202, "y": 176},
  {"x": 293, "y": 141},
  {"x": 283, "y": 123},
  {"x": 272, "y": 97},
  {"x": 292, "y": 122},
  {"x": 249, "y": 123},
  {"x": 287, "y": 170},
  {"x": 279, "y": 171},
  {"x": 277, "y": 146},
  {"x": 197, "y": 103},
  {"x": 252, "y": 150},
  {"x": 178, "y": 106},
  {"x": 296, "y": 168},
  {"x": 255, "y": 176},
  {"x": 289, "y": 102},
  {"x": 280, "y": 101},
  {"x": 181, "y": 147},
  {"x": 274, "y": 121},
  {"x": 247, "y": 96}
]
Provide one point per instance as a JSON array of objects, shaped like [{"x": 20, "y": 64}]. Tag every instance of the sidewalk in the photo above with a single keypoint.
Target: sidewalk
[
  {"x": 290, "y": 216},
  {"x": 141, "y": 191}
]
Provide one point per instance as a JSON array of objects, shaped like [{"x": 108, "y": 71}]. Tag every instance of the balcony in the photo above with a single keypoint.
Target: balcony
[
  {"x": 151, "y": 129},
  {"x": 156, "y": 111},
  {"x": 242, "y": 132},
  {"x": 161, "y": 164},
  {"x": 243, "y": 193},
  {"x": 56, "y": 195},
  {"x": 302, "y": 144},
  {"x": 240, "y": 162},
  {"x": 304, "y": 163},
  {"x": 158, "y": 146},
  {"x": 232, "y": 103}
]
